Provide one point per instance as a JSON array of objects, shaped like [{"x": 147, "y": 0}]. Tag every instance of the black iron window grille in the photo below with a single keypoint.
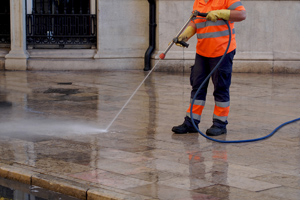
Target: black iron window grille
[
  {"x": 4, "y": 23},
  {"x": 61, "y": 24}
]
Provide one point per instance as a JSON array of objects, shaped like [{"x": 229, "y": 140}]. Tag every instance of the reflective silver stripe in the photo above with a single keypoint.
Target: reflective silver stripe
[
  {"x": 214, "y": 34},
  {"x": 198, "y": 102},
  {"x": 223, "y": 119},
  {"x": 235, "y": 5},
  {"x": 222, "y": 104},
  {"x": 210, "y": 23},
  {"x": 195, "y": 116}
]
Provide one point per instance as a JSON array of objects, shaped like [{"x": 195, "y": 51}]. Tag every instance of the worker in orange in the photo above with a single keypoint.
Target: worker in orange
[{"x": 212, "y": 40}]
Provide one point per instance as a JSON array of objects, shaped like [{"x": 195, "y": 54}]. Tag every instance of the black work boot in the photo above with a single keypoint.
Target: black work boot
[
  {"x": 183, "y": 128},
  {"x": 215, "y": 131}
]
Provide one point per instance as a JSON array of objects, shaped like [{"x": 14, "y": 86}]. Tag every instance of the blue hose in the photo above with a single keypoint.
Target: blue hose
[{"x": 205, "y": 80}]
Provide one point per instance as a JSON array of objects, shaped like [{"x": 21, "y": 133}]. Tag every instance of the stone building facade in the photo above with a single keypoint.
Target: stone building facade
[{"x": 268, "y": 41}]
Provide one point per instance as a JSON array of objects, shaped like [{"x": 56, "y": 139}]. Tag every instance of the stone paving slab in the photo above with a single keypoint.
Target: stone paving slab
[
  {"x": 52, "y": 134},
  {"x": 65, "y": 185}
]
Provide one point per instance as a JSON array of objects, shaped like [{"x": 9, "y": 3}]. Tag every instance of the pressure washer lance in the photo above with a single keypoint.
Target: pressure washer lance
[
  {"x": 195, "y": 13},
  {"x": 162, "y": 56}
]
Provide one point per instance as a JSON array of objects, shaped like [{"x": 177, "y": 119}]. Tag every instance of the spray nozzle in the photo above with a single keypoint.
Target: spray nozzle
[{"x": 162, "y": 56}]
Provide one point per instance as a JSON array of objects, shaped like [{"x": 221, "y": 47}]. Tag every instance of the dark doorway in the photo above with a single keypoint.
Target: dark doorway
[{"x": 5, "y": 23}]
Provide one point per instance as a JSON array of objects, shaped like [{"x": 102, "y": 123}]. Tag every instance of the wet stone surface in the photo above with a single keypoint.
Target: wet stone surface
[
  {"x": 14, "y": 190},
  {"x": 57, "y": 124}
]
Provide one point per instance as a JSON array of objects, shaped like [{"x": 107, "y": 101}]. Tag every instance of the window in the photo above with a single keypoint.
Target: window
[{"x": 60, "y": 24}]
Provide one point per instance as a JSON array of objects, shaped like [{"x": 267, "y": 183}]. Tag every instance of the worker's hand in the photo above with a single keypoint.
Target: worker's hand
[
  {"x": 179, "y": 39},
  {"x": 218, "y": 14},
  {"x": 186, "y": 35}
]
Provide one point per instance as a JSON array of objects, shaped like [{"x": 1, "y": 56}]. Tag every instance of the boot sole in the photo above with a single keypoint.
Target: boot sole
[{"x": 210, "y": 134}]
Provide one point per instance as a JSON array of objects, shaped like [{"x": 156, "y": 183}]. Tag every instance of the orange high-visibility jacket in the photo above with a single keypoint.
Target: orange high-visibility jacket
[{"x": 213, "y": 36}]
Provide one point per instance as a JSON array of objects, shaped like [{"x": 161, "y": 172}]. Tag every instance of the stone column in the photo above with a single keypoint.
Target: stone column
[
  {"x": 16, "y": 59},
  {"x": 97, "y": 55}
]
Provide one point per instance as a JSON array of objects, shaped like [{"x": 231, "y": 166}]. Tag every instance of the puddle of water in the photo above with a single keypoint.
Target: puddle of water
[{"x": 11, "y": 190}]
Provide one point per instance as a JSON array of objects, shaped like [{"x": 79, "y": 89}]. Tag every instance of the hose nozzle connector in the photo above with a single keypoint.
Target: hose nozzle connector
[{"x": 196, "y": 13}]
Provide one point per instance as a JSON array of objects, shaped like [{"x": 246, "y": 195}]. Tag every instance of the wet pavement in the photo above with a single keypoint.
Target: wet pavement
[
  {"x": 55, "y": 134},
  {"x": 18, "y": 191}
]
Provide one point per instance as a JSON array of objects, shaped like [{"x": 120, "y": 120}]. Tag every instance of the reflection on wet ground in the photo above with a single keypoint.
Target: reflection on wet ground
[
  {"x": 18, "y": 191},
  {"x": 53, "y": 125}
]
